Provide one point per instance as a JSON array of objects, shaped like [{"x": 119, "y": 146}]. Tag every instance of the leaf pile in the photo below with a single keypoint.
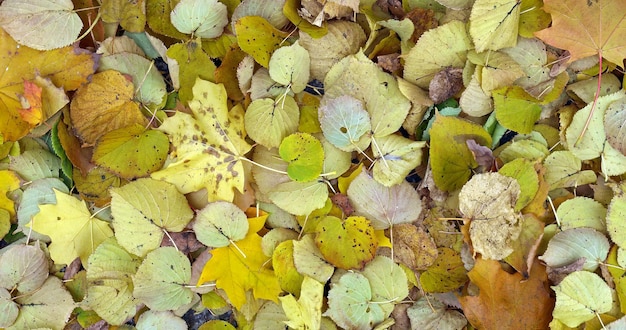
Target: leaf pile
[{"x": 448, "y": 164}]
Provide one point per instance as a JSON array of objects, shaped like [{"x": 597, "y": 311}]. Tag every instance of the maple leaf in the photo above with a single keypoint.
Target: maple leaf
[
  {"x": 507, "y": 301},
  {"x": 241, "y": 266},
  {"x": 73, "y": 230},
  {"x": 209, "y": 145},
  {"x": 587, "y": 28}
]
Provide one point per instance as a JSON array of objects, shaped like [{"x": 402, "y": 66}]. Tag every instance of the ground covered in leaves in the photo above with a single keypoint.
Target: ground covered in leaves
[{"x": 313, "y": 164}]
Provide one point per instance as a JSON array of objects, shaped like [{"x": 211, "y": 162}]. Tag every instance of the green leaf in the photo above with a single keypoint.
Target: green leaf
[
  {"x": 132, "y": 151},
  {"x": 563, "y": 169},
  {"x": 580, "y": 297},
  {"x": 289, "y": 65},
  {"x": 299, "y": 198},
  {"x": 615, "y": 216},
  {"x": 193, "y": 63},
  {"x": 524, "y": 172},
  {"x": 268, "y": 122},
  {"x": 516, "y": 109},
  {"x": 162, "y": 280},
  {"x": 305, "y": 156},
  {"x": 452, "y": 161},
  {"x": 387, "y": 280},
  {"x": 160, "y": 320},
  {"x": 36, "y": 164}
]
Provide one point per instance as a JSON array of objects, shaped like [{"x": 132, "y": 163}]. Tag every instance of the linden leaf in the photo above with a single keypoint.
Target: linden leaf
[
  {"x": 291, "y": 11},
  {"x": 208, "y": 144},
  {"x": 508, "y": 300},
  {"x": 220, "y": 223},
  {"x": 377, "y": 89},
  {"x": 268, "y": 122},
  {"x": 572, "y": 31},
  {"x": 110, "y": 287},
  {"x": 615, "y": 215},
  {"x": 143, "y": 209},
  {"x": 438, "y": 48},
  {"x": 345, "y": 123},
  {"x": 193, "y": 64},
  {"x": 48, "y": 307},
  {"x": 582, "y": 212},
  {"x": 67, "y": 67},
  {"x": 299, "y": 198},
  {"x": 162, "y": 280},
  {"x": 103, "y": 105},
  {"x": 614, "y": 125},
  {"x": 343, "y": 38},
  {"x": 24, "y": 268},
  {"x": 388, "y": 280},
  {"x": 309, "y": 260},
  {"x": 346, "y": 244},
  {"x": 563, "y": 169},
  {"x": 516, "y": 109},
  {"x": 524, "y": 172},
  {"x": 305, "y": 156},
  {"x": 285, "y": 269},
  {"x": 289, "y": 65},
  {"x": 129, "y": 14},
  {"x": 306, "y": 312},
  {"x": 30, "y": 22},
  {"x": 9, "y": 182},
  {"x": 594, "y": 143},
  {"x": 258, "y": 38},
  {"x": 396, "y": 157},
  {"x": 572, "y": 244},
  {"x": 384, "y": 206},
  {"x": 202, "y": 18},
  {"x": 10, "y": 310},
  {"x": 152, "y": 319},
  {"x": 413, "y": 246},
  {"x": 132, "y": 151},
  {"x": 494, "y": 24},
  {"x": 350, "y": 303},
  {"x": 431, "y": 314},
  {"x": 240, "y": 267},
  {"x": 447, "y": 273},
  {"x": 488, "y": 199},
  {"x": 451, "y": 159},
  {"x": 73, "y": 230},
  {"x": 580, "y": 297}
]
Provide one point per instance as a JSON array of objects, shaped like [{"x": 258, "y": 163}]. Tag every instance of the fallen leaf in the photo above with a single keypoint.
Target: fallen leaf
[
  {"x": 72, "y": 228},
  {"x": 508, "y": 300},
  {"x": 570, "y": 29},
  {"x": 208, "y": 156},
  {"x": 346, "y": 244}
]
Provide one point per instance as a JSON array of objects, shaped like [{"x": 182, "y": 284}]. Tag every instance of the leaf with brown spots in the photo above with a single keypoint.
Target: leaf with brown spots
[{"x": 209, "y": 145}]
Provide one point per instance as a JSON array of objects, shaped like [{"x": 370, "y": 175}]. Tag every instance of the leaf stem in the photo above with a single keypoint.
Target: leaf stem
[
  {"x": 595, "y": 101},
  {"x": 237, "y": 248}
]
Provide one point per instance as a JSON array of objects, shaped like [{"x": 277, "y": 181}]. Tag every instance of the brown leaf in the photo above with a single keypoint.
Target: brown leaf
[
  {"x": 389, "y": 62},
  {"x": 445, "y": 84},
  {"x": 342, "y": 201},
  {"x": 413, "y": 247},
  {"x": 423, "y": 20},
  {"x": 507, "y": 301},
  {"x": 557, "y": 274},
  {"x": 483, "y": 155},
  {"x": 185, "y": 241}
]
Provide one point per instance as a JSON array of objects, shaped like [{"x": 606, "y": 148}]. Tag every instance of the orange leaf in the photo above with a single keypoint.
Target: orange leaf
[
  {"x": 66, "y": 67},
  {"x": 31, "y": 104},
  {"x": 587, "y": 28},
  {"x": 507, "y": 301}
]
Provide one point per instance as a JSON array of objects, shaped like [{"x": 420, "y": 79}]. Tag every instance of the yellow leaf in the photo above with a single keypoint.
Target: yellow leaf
[
  {"x": 209, "y": 145},
  {"x": 242, "y": 266},
  {"x": 193, "y": 63},
  {"x": 73, "y": 230},
  {"x": 494, "y": 24},
  {"x": 67, "y": 67},
  {"x": 103, "y": 105},
  {"x": 9, "y": 182},
  {"x": 257, "y": 37},
  {"x": 306, "y": 312},
  {"x": 346, "y": 244}
]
